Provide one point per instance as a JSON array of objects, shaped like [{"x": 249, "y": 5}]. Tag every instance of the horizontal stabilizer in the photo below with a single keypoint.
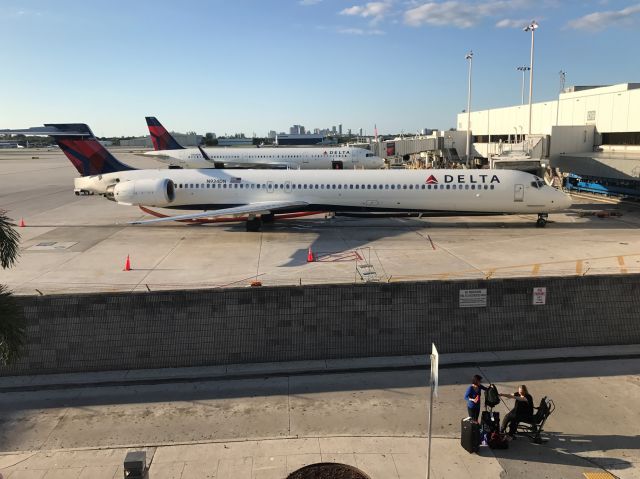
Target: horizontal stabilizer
[{"x": 50, "y": 129}]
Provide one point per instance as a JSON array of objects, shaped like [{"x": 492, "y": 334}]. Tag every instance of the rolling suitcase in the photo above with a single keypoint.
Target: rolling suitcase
[{"x": 470, "y": 435}]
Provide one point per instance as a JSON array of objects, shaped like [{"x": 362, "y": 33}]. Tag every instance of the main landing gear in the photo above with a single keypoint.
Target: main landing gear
[
  {"x": 542, "y": 220},
  {"x": 254, "y": 223}
]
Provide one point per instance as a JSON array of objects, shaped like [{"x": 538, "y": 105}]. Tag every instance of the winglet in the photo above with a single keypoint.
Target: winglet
[
  {"x": 161, "y": 138},
  {"x": 208, "y": 158}
]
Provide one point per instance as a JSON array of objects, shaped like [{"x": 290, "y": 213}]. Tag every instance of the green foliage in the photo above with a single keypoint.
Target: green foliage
[
  {"x": 12, "y": 327},
  {"x": 9, "y": 241},
  {"x": 12, "y": 324}
]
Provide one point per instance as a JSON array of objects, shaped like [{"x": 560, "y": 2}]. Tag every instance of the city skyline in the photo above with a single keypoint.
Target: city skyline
[{"x": 245, "y": 67}]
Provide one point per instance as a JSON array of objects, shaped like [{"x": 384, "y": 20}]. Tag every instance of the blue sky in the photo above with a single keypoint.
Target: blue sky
[{"x": 251, "y": 66}]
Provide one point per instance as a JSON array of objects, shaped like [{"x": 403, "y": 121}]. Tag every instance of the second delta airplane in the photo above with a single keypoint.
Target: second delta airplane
[
  {"x": 259, "y": 194},
  {"x": 168, "y": 150}
]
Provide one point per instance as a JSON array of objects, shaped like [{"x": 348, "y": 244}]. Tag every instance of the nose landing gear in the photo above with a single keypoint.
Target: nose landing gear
[{"x": 542, "y": 220}]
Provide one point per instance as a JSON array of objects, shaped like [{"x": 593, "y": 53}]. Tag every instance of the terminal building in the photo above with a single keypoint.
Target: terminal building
[{"x": 589, "y": 131}]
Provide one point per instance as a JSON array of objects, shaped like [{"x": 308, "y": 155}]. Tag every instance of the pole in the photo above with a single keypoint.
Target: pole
[
  {"x": 469, "y": 57},
  {"x": 522, "y": 89},
  {"x": 533, "y": 27},
  {"x": 430, "y": 438}
]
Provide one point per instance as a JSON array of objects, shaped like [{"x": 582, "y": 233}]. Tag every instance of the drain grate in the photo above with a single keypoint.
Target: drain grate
[
  {"x": 52, "y": 245},
  {"x": 328, "y": 470}
]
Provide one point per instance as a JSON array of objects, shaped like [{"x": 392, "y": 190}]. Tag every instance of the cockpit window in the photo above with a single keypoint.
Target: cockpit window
[{"x": 538, "y": 183}]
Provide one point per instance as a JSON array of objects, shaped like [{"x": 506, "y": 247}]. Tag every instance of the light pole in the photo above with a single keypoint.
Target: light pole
[
  {"x": 522, "y": 69},
  {"x": 531, "y": 28},
  {"x": 469, "y": 56}
]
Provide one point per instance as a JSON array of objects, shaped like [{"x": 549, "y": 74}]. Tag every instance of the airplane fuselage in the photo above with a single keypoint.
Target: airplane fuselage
[
  {"x": 295, "y": 158},
  {"x": 464, "y": 191}
]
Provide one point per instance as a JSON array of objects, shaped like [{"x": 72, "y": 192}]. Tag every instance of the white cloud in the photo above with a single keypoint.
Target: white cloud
[
  {"x": 360, "y": 31},
  {"x": 308, "y": 3},
  {"x": 463, "y": 14},
  {"x": 512, "y": 23},
  {"x": 606, "y": 19},
  {"x": 373, "y": 10}
]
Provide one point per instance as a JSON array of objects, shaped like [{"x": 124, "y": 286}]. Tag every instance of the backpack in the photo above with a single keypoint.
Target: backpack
[
  {"x": 491, "y": 398},
  {"x": 498, "y": 441}
]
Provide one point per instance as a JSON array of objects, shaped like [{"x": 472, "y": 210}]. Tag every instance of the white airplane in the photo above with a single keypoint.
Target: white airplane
[
  {"x": 260, "y": 194},
  {"x": 168, "y": 150}
]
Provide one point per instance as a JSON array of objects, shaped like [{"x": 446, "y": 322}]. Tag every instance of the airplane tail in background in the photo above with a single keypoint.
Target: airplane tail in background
[
  {"x": 161, "y": 138},
  {"x": 78, "y": 143}
]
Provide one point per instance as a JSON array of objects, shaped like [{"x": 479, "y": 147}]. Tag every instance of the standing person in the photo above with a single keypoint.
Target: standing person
[
  {"x": 472, "y": 396},
  {"x": 522, "y": 411}
]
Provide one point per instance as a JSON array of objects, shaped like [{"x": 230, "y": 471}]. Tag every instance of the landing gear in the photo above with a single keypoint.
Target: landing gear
[
  {"x": 268, "y": 218},
  {"x": 254, "y": 224},
  {"x": 542, "y": 220}
]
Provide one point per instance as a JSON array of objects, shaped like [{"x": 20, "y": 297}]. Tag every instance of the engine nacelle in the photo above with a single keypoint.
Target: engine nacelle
[{"x": 143, "y": 192}]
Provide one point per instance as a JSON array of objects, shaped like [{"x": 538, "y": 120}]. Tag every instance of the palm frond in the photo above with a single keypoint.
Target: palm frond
[
  {"x": 12, "y": 327},
  {"x": 9, "y": 241}
]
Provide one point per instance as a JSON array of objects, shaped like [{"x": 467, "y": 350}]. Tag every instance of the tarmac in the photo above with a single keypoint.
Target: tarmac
[
  {"x": 266, "y": 421},
  {"x": 76, "y": 244}
]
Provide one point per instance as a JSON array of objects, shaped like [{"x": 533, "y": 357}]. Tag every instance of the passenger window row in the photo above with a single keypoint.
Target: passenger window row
[{"x": 333, "y": 186}]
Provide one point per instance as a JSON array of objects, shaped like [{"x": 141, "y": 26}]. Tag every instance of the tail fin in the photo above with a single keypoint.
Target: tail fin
[
  {"x": 161, "y": 138},
  {"x": 77, "y": 142}
]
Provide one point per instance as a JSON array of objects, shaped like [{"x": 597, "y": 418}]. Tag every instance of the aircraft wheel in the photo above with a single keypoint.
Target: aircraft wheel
[
  {"x": 268, "y": 218},
  {"x": 541, "y": 223},
  {"x": 254, "y": 225}
]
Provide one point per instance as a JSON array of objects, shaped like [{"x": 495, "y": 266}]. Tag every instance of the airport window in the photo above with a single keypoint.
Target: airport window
[
  {"x": 333, "y": 187},
  {"x": 368, "y": 187},
  {"x": 404, "y": 187},
  {"x": 328, "y": 187},
  {"x": 357, "y": 187},
  {"x": 316, "y": 187},
  {"x": 486, "y": 187},
  {"x": 339, "y": 187},
  {"x": 410, "y": 187},
  {"x": 281, "y": 187},
  {"x": 322, "y": 187},
  {"x": 393, "y": 187},
  {"x": 423, "y": 187},
  {"x": 448, "y": 187},
  {"x": 454, "y": 187},
  {"x": 275, "y": 186},
  {"x": 235, "y": 185},
  {"x": 224, "y": 186},
  {"x": 350, "y": 187},
  {"x": 258, "y": 185},
  {"x": 442, "y": 187},
  {"x": 473, "y": 187},
  {"x": 492, "y": 187}
]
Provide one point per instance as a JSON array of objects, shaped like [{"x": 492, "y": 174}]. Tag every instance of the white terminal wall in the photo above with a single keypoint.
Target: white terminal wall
[{"x": 614, "y": 108}]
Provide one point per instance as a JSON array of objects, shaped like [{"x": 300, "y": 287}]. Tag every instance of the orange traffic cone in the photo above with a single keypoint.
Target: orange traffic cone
[
  {"x": 310, "y": 256},
  {"x": 127, "y": 264},
  {"x": 22, "y": 225}
]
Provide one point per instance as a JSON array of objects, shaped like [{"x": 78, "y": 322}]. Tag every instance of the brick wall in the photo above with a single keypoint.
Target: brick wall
[{"x": 96, "y": 332}]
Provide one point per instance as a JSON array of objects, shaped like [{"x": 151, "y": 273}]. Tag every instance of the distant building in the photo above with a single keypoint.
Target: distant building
[
  {"x": 272, "y": 134},
  {"x": 235, "y": 141},
  {"x": 296, "y": 130},
  {"x": 340, "y": 129},
  {"x": 307, "y": 139},
  {"x": 145, "y": 141}
]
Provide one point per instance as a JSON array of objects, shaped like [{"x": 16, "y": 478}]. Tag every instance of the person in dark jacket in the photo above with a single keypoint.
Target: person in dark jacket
[
  {"x": 522, "y": 411},
  {"x": 472, "y": 397}
]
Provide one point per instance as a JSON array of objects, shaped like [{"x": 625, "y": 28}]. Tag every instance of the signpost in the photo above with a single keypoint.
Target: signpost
[{"x": 433, "y": 383}]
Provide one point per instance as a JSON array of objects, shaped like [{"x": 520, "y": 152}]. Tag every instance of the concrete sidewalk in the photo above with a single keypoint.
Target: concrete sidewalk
[
  {"x": 246, "y": 371},
  {"x": 379, "y": 457}
]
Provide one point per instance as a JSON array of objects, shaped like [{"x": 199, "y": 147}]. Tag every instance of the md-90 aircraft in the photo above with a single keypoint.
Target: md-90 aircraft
[
  {"x": 168, "y": 150},
  {"x": 260, "y": 194}
]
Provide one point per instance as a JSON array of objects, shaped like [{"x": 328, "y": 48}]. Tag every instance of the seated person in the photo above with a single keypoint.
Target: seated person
[
  {"x": 523, "y": 410},
  {"x": 472, "y": 397}
]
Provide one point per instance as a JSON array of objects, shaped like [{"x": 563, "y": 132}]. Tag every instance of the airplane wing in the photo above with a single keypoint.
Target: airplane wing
[{"x": 264, "y": 207}]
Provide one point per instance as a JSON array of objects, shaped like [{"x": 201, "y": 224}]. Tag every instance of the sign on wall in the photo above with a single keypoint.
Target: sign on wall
[
  {"x": 539, "y": 296},
  {"x": 473, "y": 298}
]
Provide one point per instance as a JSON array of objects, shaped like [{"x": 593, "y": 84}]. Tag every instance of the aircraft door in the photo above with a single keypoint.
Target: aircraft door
[
  {"x": 287, "y": 187},
  {"x": 518, "y": 193},
  {"x": 269, "y": 186}
]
